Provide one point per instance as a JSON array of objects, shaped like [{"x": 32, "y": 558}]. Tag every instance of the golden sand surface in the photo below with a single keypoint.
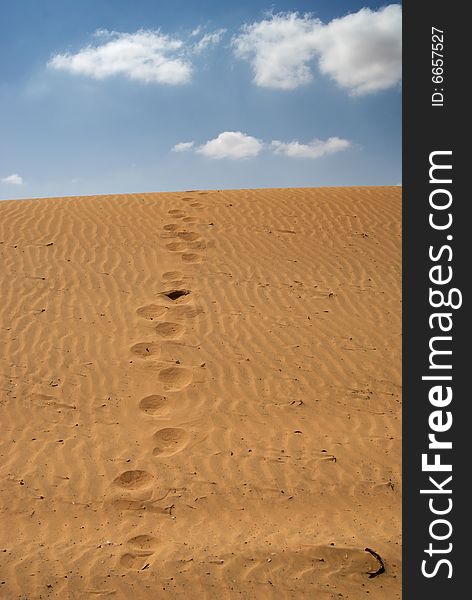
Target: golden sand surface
[{"x": 201, "y": 395}]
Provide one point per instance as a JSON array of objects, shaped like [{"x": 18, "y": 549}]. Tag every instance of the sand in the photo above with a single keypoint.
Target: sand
[{"x": 201, "y": 395}]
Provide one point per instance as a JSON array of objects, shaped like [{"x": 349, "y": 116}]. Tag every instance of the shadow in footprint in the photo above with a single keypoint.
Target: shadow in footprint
[{"x": 176, "y": 294}]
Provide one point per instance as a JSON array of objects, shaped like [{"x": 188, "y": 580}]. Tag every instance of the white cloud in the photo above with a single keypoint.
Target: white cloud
[
  {"x": 183, "y": 147},
  {"x": 279, "y": 49},
  {"x": 314, "y": 149},
  {"x": 146, "y": 56},
  {"x": 231, "y": 144},
  {"x": 234, "y": 144},
  {"x": 360, "y": 51},
  {"x": 13, "y": 179},
  {"x": 209, "y": 39}
]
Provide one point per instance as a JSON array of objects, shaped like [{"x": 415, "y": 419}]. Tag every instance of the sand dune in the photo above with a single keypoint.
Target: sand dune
[{"x": 201, "y": 395}]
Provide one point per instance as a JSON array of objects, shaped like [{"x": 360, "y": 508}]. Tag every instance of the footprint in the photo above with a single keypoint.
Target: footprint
[
  {"x": 169, "y": 275},
  {"x": 151, "y": 311},
  {"x": 169, "y": 441},
  {"x": 186, "y": 198},
  {"x": 153, "y": 404},
  {"x": 175, "y": 378},
  {"x": 146, "y": 349},
  {"x": 189, "y": 219},
  {"x": 187, "y": 312},
  {"x": 191, "y": 257},
  {"x": 198, "y": 245},
  {"x": 189, "y": 236},
  {"x": 45, "y": 400},
  {"x": 135, "y": 561},
  {"x": 171, "y": 227},
  {"x": 176, "y": 212},
  {"x": 178, "y": 283},
  {"x": 142, "y": 547},
  {"x": 196, "y": 205},
  {"x": 133, "y": 480},
  {"x": 122, "y": 504},
  {"x": 143, "y": 542},
  {"x": 176, "y": 246},
  {"x": 39, "y": 399},
  {"x": 176, "y": 278},
  {"x": 169, "y": 330}
]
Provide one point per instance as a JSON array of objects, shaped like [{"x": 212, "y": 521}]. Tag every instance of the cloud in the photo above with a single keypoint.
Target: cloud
[
  {"x": 183, "y": 147},
  {"x": 13, "y": 179},
  {"x": 146, "y": 56},
  {"x": 209, "y": 39},
  {"x": 360, "y": 51},
  {"x": 231, "y": 144},
  {"x": 279, "y": 49},
  {"x": 314, "y": 149},
  {"x": 235, "y": 145}
]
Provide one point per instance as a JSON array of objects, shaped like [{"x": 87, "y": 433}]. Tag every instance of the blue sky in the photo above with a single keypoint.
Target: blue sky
[{"x": 118, "y": 96}]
